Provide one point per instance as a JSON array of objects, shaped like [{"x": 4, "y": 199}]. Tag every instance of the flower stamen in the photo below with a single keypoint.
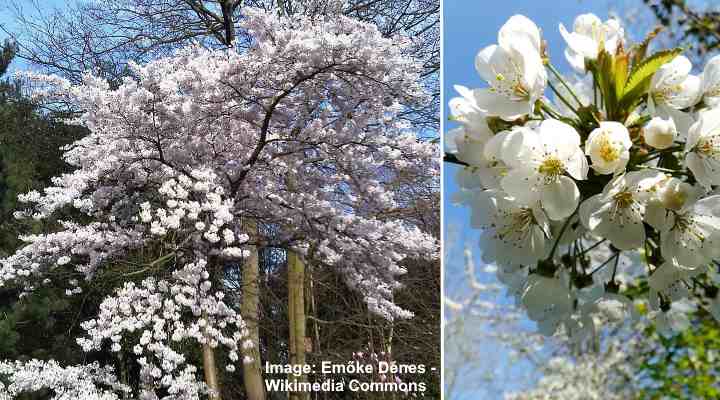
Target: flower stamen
[
  {"x": 552, "y": 168},
  {"x": 608, "y": 151}
]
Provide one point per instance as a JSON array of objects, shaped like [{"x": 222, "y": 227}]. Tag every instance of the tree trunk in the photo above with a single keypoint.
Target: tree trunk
[
  {"x": 252, "y": 373},
  {"x": 297, "y": 320},
  {"x": 210, "y": 369},
  {"x": 228, "y": 22}
]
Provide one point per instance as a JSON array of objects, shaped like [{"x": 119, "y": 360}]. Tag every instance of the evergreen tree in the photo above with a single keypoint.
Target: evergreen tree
[{"x": 30, "y": 142}]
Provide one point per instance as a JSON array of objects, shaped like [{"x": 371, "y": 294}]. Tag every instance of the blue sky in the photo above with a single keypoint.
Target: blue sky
[
  {"x": 7, "y": 18},
  {"x": 468, "y": 27}
]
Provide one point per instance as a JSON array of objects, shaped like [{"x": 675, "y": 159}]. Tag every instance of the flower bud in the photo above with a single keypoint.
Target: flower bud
[{"x": 660, "y": 133}]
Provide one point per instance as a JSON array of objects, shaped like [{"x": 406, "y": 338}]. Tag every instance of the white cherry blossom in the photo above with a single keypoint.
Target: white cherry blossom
[
  {"x": 670, "y": 280},
  {"x": 589, "y": 36},
  {"x": 513, "y": 69},
  {"x": 671, "y": 194},
  {"x": 86, "y": 382},
  {"x": 711, "y": 82},
  {"x": 672, "y": 89},
  {"x": 617, "y": 213},
  {"x": 609, "y": 147},
  {"x": 703, "y": 148},
  {"x": 513, "y": 233},
  {"x": 691, "y": 235},
  {"x": 568, "y": 242},
  {"x": 485, "y": 157},
  {"x": 548, "y": 302},
  {"x": 544, "y": 163},
  {"x": 464, "y": 109}
]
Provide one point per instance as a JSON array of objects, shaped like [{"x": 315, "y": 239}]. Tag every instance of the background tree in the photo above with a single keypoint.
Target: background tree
[
  {"x": 30, "y": 155},
  {"x": 689, "y": 25}
]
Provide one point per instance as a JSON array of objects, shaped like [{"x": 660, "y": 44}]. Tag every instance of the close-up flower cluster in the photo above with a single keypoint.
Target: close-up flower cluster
[{"x": 572, "y": 178}]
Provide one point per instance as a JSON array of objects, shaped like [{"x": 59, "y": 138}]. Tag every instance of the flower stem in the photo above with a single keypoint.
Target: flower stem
[
  {"x": 563, "y": 82},
  {"x": 550, "y": 111},
  {"x": 452, "y": 159},
  {"x": 658, "y": 153},
  {"x": 584, "y": 251},
  {"x": 669, "y": 171},
  {"x": 560, "y": 96},
  {"x": 617, "y": 260},
  {"x": 605, "y": 263},
  {"x": 562, "y": 232}
]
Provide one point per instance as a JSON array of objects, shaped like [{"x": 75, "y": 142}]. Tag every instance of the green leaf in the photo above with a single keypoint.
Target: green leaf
[
  {"x": 621, "y": 63},
  {"x": 640, "y": 49},
  {"x": 638, "y": 82}
]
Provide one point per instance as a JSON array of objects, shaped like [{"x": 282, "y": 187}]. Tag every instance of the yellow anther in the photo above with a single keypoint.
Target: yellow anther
[
  {"x": 623, "y": 199},
  {"x": 608, "y": 152},
  {"x": 551, "y": 167}
]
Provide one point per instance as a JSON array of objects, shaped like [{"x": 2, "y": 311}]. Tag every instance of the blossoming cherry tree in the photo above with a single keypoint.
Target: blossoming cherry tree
[{"x": 301, "y": 131}]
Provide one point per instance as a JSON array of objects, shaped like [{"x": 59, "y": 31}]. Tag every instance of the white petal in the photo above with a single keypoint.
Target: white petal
[
  {"x": 560, "y": 198},
  {"x": 522, "y": 184},
  {"x": 577, "y": 165},
  {"x": 672, "y": 73},
  {"x": 542, "y": 220},
  {"x": 494, "y": 147},
  {"x": 627, "y": 234},
  {"x": 682, "y": 248},
  {"x": 708, "y": 206},
  {"x": 576, "y": 60},
  {"x": 656, "y": 214},
  {"x": 534, "y": 76},
  {"x": 580, "y": 44},
  {"x": 451, "y": 139},
  {"x": 539, "y": 242},
  {"x": 470, "y": 149},
  {"x": 682, "y": 120},
  {"x": 560, "y": 135},
  {"x": 587, "y": 209},
  {"x": 660, "y": 133},
  {"x": 697, "y": 166},
  {"x": 586, "y": 24},
  {"x": 688, "y": 94},
  {"x": 519, "y": 27},
  {"x": 711, "y": 121},
  {"x": 501, "y": 106},
  {"x": 484, "y": 209},
  {"x": 468, "y": 178},
  {"x": 463, "y": 91},
  {"x": 520, "y": 148},
  {"x": 694, "y": 134},
  {"x": 711, "y": 75},
  {"x": 483, "y": 62}
]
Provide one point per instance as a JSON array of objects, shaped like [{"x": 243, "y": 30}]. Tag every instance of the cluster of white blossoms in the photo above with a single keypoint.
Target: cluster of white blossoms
[
  {"x": 302, "y": 130},
  {"x": 623, "y": 163},
  {"x": 197, "y": 215},
  {"x": 86, "y": 382},
  {"x": 158, "y": 319}
]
